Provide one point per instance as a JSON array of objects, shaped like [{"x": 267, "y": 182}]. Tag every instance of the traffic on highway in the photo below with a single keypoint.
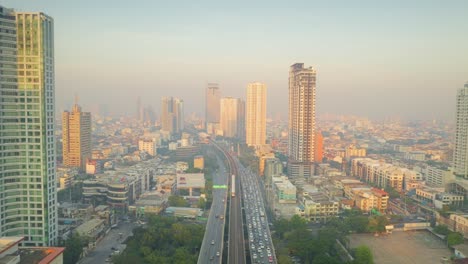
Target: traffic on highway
[{"x": 259, "y": 237}]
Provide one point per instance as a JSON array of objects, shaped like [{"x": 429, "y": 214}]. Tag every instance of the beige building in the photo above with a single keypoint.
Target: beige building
[
  {"x": 353, "y": 151},
  {"x": 212, "y": 104},
  {"x": 302, "y": 82},
  {"x": 199, "y": 162},
  {"x": 76, "y": 137},
  {"x": 255, "y": 120},
  {"x": 368, "y": 199},
  {"x": 318, "y": 207},
  {"x": 149, "y": 146},
  {"x": 172, "y": 115},
  {"x": 230, "y": 116}
]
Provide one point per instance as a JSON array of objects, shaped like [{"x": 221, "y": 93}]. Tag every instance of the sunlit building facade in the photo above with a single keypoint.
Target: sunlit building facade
[
  {"x": 28, "y": 195},
  {"x": 255, "y": 119},
  {"x": 302, "y": 82},
  {"x": 212, "y": 104},
  {"x": 230, "y": 116},
  {"x": 76, "y": 137},
  {"x": 172, "y": 115},
  {"x": 460, "y": 155}
]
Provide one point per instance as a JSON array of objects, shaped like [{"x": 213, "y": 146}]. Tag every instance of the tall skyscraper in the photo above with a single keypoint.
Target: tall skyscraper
[
  {"x": 140, "y": 110},
  {"x": 28, "y": 195},
  {"x": 241, "y": 120},
  {"x": 255, "y": 120},
  {"x": 76, "y": 137},
  {"x": 212, "y": 104},
  {"x": 172, "y": 115},
  {"x": 301, "y": 120},
  {"x": 460, "y": 155},
  {"x": 230, "y": 119}
]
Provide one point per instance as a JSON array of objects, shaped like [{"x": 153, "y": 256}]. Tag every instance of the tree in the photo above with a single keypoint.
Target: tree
[
  {"x": 177, "y": 201},
  {"x": 73, "y": 249},
  {"x": 201, "y": 203},
  {"x": 284, "y": 259},
  {"x": 442, "y": 230},
  {"x": 363, "y": 255},
  {"x": 454, "y": 238}
]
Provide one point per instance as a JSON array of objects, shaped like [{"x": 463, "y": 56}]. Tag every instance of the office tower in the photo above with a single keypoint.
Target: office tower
[
  {"x": 229, "y": 118},
  {"x": 76, "y": 137},
  {"x": 318, "y": 147},
  {"x": 172, "y": 115},
  {"x": 241, "y": 120},
  {"x": 28, "y": 192},
  {"x": 255, "y": 121},
  {"x": 212, "y": 105},
  {"x": 460, "y": 154},
  {"x": 301, "y": 120},
  {"x": 140, "y": 110}
]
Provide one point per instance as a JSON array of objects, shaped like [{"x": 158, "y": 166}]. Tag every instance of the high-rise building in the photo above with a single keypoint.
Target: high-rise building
[
  {"x": 212, "y": 104},
  {"x": 460, "y": 154},
  {"x": 139, "y": 110},
  {"x": 301, "y": 120},
  {"x": 76, "y": 137},
  {"x": 28, "y": 195},
  {"x": 241, "y": 120},
  {"x": 230, "y": 119},
  {"x": 172, "y": 115},
  {"x": 318, "y": 148},
  {"x": 255, "y": 120}
]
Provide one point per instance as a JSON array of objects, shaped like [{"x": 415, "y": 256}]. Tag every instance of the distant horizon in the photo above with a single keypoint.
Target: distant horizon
[{"x": 372, "y": 59}]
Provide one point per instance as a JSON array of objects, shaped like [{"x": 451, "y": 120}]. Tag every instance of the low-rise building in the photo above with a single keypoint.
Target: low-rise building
[
  {"x": 199, "y": 162},
  {"x": 190, "y": 184},
  {"x": 318, "y": 207},
  {"x": 12, "y": 253},
  {"x": 94, "y": 229},
  {"x": 150, "y": 146}
]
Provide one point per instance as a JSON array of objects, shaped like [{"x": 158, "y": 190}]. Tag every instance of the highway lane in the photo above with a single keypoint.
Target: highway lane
[
  {"x": 260, "y": 243},
  {"x": 213, "y": 240}
]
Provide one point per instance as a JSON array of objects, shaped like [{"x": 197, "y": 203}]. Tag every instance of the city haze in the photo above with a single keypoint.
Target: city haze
[{"x": 372, "y": 59}]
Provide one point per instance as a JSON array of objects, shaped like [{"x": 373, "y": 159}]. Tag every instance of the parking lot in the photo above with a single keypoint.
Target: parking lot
[{"x": 410, "y": 247}]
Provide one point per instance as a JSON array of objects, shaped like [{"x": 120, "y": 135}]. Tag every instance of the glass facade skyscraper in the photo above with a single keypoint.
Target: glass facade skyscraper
[{"x": 28, "y": 196}]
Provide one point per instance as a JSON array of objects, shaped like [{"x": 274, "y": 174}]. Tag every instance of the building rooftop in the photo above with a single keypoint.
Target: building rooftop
[
  {"x": 39, "y": 255},
  {"x": 9, "y": 242},
  {"x": 89, "y": 225}
]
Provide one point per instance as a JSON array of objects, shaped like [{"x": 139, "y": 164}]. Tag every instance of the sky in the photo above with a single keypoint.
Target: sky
[{"x": 373, "y": 58}]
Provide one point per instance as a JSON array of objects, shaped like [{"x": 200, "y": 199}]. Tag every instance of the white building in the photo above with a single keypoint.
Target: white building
[
  {"x": 460, "y": 155},
  {"x": 436, "y": 177}
]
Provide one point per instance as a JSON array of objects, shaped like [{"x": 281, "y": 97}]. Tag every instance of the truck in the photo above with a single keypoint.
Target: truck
[{"x": 233, "y": 185}]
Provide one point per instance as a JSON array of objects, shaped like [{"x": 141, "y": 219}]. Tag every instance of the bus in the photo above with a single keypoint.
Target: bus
[{"x": 233, "y": 185}]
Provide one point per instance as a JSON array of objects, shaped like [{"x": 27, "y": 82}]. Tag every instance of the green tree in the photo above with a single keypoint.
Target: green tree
[
  {"x": 442, "y": 230},
  {"x": 201, "y": 203},
  {"x": 454, "y": 238},
  {"x": 177, "y": 201},
  {"x": 284, "y": 259},
  {"x": 363, "y": 255},
  {"x": 74, "y": 248},
  {"x": 325, "y": 259}
]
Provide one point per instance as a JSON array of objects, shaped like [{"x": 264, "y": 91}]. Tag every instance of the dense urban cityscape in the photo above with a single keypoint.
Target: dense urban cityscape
[{"x": 239, "y": 181}]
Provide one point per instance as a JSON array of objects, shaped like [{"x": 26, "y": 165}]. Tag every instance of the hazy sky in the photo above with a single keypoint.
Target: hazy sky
[{"x": 373, "y": 59}]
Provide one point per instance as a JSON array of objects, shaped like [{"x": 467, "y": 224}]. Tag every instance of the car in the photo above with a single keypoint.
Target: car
[
  {"x": 211, "y": 258},
  {"x": 113, "y": 248},
  {"x": 212, "y": 242},
  {"x": 217, "y": 253},
  {"x": 221, "y": 217}
]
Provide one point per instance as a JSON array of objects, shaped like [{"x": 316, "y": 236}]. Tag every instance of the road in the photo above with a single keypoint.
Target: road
[
  {"x": 260, "y": 243},
  {"x": 112, "y": 239},
  {"x": 213, "y": 240},
  {"x": 236, "y": 242}
]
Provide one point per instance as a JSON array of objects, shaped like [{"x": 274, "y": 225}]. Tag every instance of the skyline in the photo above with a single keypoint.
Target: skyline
[{"x": 369, "y": 58}]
